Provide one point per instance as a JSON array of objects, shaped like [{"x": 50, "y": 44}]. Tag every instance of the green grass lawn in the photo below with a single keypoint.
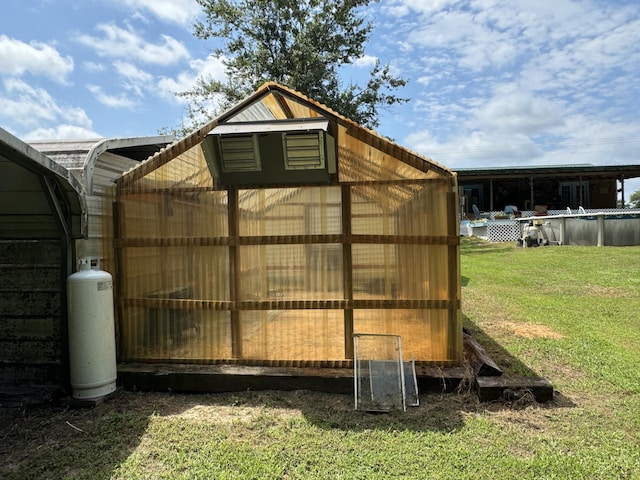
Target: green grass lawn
[{"x": 570, "y": 314}]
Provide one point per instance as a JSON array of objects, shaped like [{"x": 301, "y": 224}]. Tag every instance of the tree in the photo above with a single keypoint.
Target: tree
[
  {"x": 635, "y": 199},
  {"x": 301, "y": 44}
]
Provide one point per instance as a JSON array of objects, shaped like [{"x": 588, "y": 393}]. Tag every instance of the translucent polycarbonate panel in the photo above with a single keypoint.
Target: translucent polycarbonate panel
[
  {"x": 423, "y": 272},
  {"x": 378, "y": 373},
  {"x": 291, "y": 272},
  {"x": 426, "y": 212},
  {"x": 202, "y": 269},
  {"x": 371, "y": 212},
  {"x": 294, "y": 335},
  {"x": 375, "y": 271},
  {"x": 427, "y": 335},
  {"x": 290, "y": 211},
  {"x": 154, "y": 333},
  {"x": 361, "y": 162},
  {"x": 274, "y": 106},
  {"x": 174, "y": 214},
  {"x": 190, "y": 258},
  {"x": 187, "y": 170},
  {"x": 405, "y": 271},
  {"x": 399, "y": 209},
  {"x": 275, "y": 103},
  {"x": 99, "y": 243}
]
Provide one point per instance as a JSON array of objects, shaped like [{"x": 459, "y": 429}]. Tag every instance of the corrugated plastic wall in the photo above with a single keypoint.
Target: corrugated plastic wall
[{"x": 285, "y": 276}]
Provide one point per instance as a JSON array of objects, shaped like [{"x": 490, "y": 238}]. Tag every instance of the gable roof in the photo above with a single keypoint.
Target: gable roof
[{"x": 276, "y": 102}]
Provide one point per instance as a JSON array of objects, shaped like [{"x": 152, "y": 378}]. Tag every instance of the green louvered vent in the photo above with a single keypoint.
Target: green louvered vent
[
  {"x": 303, "y": 151},
  {"x": 240, "y": 153},
  {"x": 279, "y": 152}
]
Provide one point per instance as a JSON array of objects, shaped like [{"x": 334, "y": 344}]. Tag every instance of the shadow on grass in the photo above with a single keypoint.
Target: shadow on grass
[
  {"x": 479, "y": 246},
  {"x": 508, "y": 363},
  {"x": 437, "y": 412},
  {"x": 505, "y": 360},
  {"x": 56, "y": 442},
  {"x": 53, "y": 441}
]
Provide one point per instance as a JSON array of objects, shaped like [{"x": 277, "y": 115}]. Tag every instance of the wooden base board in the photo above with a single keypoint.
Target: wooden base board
[
  {"x": 228, "y": 378},
  {"x": 511, "y": 388}
]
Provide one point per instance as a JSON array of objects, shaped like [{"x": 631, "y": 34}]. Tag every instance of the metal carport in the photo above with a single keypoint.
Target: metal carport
[{"x": 42, "y": 211}]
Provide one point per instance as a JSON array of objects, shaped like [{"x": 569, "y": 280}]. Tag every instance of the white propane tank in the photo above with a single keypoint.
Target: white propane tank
[{"x": 92, "y": 348}]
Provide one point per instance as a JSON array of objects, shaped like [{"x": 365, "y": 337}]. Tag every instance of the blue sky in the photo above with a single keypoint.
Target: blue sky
[{"x": 491, "y": 82}]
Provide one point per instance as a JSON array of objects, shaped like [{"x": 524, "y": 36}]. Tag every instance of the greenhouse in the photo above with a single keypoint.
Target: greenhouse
[{"x": 275, "y": 233}]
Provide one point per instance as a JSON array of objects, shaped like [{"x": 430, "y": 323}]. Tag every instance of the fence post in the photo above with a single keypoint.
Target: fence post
[{"x": 600, "y": 217}]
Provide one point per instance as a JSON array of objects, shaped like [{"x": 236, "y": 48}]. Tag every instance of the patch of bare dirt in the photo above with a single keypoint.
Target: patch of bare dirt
[{"x": 532, "y": 330}]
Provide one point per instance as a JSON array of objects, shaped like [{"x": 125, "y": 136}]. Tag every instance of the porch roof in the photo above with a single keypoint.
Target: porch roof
[{"x": 578, "y": 171}]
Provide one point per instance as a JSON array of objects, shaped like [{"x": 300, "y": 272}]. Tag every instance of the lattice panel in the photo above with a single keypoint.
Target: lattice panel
[{"x": 503, "y": 232}]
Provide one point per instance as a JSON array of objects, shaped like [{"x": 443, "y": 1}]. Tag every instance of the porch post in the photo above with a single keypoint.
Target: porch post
[
  {"x": 531, "y": 193},
  {"x": 491, "y": 209}
]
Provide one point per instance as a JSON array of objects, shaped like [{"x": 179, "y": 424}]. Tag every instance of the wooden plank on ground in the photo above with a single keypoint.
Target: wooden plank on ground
[
  {"x": 479, "y": 360},
  {"x": 512, "y": 388}
]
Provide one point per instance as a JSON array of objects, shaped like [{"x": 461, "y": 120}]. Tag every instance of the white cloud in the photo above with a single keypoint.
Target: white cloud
[
  {"x": 365, "y": 61},
  {"x": 131, "y": 72},
  {"x": 582, "y": 65},
  {"x": 118, "y": 42},
  {"x": 18, "y": 58},
  {"x": 61, "y": 132},
  {"x": 580, "y": 140},
  {"x": 475, "y": 149},
  {"x": 587, "y": 139},
  {"x": 93, "y": 67},
  {"x": 209, "y": 68},
  {"x": 476, "y": 45},
  {"x": 182, "y": 12},
  {"x": 112, "y": 101},
  {"x": 401, "y": 8},
  {"x": 513, "y": 111},
  {"x": 481, "y": 34},
  {"x": 135, "y": 79},
  {"x": 31, "y": 107},
  {"x": 498, "y": 82}
]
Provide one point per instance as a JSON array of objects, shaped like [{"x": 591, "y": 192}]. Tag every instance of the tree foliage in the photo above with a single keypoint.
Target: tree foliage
[
  {"x": 298, "y": 43},
  {"x": 635, "y": 199}
]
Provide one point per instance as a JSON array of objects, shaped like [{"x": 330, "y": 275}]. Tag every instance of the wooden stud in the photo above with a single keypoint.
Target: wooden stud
[
  {"x": 453, "y": 251},
  {"x": 347, "y": 271},
  {"x": 234, "y": 273}
]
